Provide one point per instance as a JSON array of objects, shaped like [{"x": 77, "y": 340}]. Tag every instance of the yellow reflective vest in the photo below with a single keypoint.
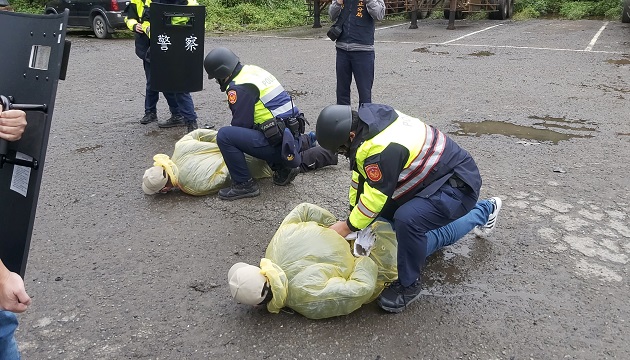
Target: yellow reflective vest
[{"x": 273, "y": 100}]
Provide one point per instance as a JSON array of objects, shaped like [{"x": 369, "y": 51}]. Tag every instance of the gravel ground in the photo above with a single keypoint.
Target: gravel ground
[{"x": 116, "y": 274}]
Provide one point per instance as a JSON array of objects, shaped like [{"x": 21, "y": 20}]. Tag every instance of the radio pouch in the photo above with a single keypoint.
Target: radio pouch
[{"x": 272, "y": 131}]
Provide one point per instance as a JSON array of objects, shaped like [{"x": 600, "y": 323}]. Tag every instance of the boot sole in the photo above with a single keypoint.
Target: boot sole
[
  {"x": 166, "y": 126},
  {"x": 242, "y": 196},
  {"x": 396, "y": 310},
  {"x": 290, "y": 179}
]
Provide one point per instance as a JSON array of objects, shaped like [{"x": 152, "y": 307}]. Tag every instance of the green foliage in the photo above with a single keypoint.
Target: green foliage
[
  {"x": 253, "y": 15},
  {"x": 576, "y": 10},
  {"x": 526, "y": 13},
  {"x": 568, "y": 9},
  {"x": 584, "y": 9},
  {"x": 28, "y": 6}
]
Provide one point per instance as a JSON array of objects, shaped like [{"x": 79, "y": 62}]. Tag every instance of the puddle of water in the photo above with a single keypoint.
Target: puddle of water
[
  {"x": 422, "y": 50},
  {"x": 296, "y": 93},
  {"x": 618, "y": 62},
  {"x": 425, "y": 50},
  {"x": 482, "y": 53},
  {"x": 88, "y": 148},
  {"x": 534, "y": 132},
  {"x": 607, "y": 87}
]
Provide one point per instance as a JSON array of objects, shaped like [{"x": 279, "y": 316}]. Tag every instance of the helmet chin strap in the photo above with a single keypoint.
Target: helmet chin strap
[{"x": 222, "y": 84}]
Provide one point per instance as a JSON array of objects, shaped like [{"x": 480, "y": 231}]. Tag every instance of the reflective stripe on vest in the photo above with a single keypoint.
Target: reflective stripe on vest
[
  {"x": 273, "y": 102},
  {"x": 423, "y": 163},
  {"x": 424, "y": 143}
]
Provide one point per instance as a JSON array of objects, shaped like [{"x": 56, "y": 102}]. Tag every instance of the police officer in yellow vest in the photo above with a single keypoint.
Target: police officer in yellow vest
[
  {"x": 405, "y": 171},
  {"x": 180, "y": 104},
  {"x": 266, "y": 124}
]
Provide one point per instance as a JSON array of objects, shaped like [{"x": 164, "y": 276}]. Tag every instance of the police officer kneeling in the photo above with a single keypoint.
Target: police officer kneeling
[
  {"x": 405, "y": 171},
  {"x": 265, "y": 123}
]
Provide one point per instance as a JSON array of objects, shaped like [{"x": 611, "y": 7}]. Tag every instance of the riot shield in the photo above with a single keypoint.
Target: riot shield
[
  {"x": 176, "y": 55},
  {"x": 34, "y": 57}
]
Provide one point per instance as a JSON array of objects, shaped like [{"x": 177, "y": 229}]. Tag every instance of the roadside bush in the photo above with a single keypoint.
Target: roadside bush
[
  {"x": 584, "y": 9},
  {"x": 28, "y": 6},
  {"x": 252, "y": 15},
  {"x": 573, "y": 9}
]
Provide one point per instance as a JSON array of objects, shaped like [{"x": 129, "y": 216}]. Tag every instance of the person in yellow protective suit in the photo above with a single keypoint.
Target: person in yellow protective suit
[
  {"x": 310, "y": 268},
  {"x": 196, "y": 168}
]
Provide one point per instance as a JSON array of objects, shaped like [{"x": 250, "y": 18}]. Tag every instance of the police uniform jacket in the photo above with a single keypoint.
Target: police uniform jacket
[
  {"x": 358, "y": 22},
  {"x": 255, "y": 96},
  {"x": 135, "y": 9},
  {"x": 146, "y": 14},
  {"x": 395, "y": 157}
]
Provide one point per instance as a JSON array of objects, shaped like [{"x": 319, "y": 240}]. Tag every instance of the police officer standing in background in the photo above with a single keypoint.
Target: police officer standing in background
[
  {"x": 405, "y": 171},
  {"x": 355, "y": 45},
  {"x": 180, "y": 104}
]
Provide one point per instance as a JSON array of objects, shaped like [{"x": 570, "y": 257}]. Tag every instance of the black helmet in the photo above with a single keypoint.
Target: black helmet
[
  {"x": 220, "y": 63},
  {"x": 333, "y": 126}
]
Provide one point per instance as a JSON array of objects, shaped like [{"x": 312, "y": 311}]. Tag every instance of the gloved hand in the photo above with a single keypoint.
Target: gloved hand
[{"x": 363, "y": 241}]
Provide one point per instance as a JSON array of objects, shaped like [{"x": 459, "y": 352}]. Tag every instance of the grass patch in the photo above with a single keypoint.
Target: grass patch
[{"x": 228, "y": 15}]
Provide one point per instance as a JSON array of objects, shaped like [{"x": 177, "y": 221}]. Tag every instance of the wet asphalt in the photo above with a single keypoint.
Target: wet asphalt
[{"x": 543, "y": 107}]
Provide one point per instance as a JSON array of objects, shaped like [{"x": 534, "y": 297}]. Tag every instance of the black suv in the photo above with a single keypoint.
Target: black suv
[
  {"x": 102, "y": 16},
  {"x": 4, "y": 5}
]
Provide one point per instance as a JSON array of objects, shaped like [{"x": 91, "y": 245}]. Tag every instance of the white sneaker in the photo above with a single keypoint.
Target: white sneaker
[{"x": 486, "y": 229}]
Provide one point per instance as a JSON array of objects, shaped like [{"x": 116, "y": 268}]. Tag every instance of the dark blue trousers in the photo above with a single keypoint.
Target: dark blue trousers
[
  {"x": 416, "y": 217},
  {"x": 178, "y": 103},
  {"x": 361, "y": 65},
  {"x": 234, "y": 142},
  {"x": 151, "y": 96}
]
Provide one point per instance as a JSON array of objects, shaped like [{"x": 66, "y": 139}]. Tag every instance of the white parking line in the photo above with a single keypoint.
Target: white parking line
[
  {"x": 589, "y": 48},
  {"x": 594, "y": 40},
  {"x": 530, "y": 48},
  {"x": 472, "y": 33},
  {"x": 392, "y": 26}
]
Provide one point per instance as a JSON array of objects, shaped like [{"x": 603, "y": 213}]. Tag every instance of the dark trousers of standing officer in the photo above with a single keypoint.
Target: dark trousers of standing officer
[
  {"x": 419, "y": 215},
  {"x": 361, "y": 64},
  {"x": 234, "y": 142},
  {"x": 151, "y": 96},
  {"x": 178, "y": 103}
]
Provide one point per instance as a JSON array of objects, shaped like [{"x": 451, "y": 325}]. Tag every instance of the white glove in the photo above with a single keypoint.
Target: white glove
[{"x": 363, "y": 241}]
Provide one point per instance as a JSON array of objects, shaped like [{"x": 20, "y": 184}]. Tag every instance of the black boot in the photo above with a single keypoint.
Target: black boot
[
  {"x": 240, "y": 191},
  {"x": 174, "y": 120},
  {"x": 148, "y": 118},
  {"x": 395, "y": 298},
  {"x": 284, "y": 176},
  {"x": 192, "y": 126}
]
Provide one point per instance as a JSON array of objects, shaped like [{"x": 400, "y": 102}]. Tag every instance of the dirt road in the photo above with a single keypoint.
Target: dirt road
[{"x": 542, "y": 106}]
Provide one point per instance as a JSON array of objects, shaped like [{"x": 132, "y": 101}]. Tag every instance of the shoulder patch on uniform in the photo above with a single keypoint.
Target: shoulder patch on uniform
[
  {"x": 373, "y": 172},
  {"x": 231, "y": 97}
]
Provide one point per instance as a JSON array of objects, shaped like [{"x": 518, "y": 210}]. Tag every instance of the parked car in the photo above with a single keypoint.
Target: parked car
[
  {"x": 4, "y": 5},
  {"x": 625, "y": 15},
  {"x": 102, "y": 16}
]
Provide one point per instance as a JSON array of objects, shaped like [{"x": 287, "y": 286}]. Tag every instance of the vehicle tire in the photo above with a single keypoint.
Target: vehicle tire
[
  {"x": 625, "y": 15},
  {"x": 510, "y": 8},
  {"x": 99, "y": 26},
  {"x": 502, "y": 10}
]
